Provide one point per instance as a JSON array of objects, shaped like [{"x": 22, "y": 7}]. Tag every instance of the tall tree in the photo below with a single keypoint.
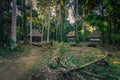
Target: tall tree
[
  {"x": 76, "y": 27},
  {"x": 24, "y": 23},
  {"x": 30, "y": 21},
  {"x": 42, "y": 28},
  {"x": 57, "y": 22},
  {"x": 48, "y": 31},
  {"x": 13, "y": 27}
]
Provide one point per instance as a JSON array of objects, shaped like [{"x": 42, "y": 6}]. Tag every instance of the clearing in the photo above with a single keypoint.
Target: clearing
[
  {"x": 61, "y": 61},
  {"x": 13, "y": 67}
]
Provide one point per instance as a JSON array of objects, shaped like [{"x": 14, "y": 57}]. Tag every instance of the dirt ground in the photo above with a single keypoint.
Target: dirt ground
[{"x": 15, "y": 68}]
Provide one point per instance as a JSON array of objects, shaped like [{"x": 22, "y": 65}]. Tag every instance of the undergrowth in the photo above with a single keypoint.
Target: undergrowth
[
  {"x": 108, "y": 68},
  {"x": 9, "y": 51}
]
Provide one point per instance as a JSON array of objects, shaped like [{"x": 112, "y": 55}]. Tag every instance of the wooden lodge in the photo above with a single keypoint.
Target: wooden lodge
[
  {"x": 71, "y": 36},
  {"x": 36, "y": 35},
  {"x": 95, "y": 36}
]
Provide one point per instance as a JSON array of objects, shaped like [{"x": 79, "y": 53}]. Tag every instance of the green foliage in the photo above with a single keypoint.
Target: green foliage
[
  {"x": 1, "y": 52},
  {"x": 63, "y": 49},
  {"x": 5, "y": 22},
  {"x": 95, "y": 20},
  {"x": 18, "y": 49},
  {"x": 48, "y": 60},
  {"x": 118, "y": 38}
]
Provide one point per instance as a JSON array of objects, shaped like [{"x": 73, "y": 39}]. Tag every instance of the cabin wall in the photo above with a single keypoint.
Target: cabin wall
[{"x": 35, "y": 39}]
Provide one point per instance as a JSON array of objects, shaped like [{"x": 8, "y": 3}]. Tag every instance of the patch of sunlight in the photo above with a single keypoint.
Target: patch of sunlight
[
  {"x": 116, "y": 62},
  {"x": 82, "y": 31},
  {"x": 105, "y": 23},
  {"x": 89, "y": 27},
  {"x": 53, "y": 30}
]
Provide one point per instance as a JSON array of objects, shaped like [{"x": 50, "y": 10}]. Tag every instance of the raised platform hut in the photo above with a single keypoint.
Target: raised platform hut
[
  {"x": 36, "y": 35},
  {"x": 71, "y": 36},
  {"x": 95, "y": 36}
]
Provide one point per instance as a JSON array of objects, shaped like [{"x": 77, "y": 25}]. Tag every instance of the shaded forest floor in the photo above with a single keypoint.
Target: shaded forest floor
[
  {"x": 61, "y": 62},
  {"x": 15, "y": 65},
  {"x": 78, "y": 62}
]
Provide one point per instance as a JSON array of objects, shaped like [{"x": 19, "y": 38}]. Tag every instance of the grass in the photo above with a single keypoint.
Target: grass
[
  {"x": 84, "y": 56},
  {"x": 8, "y": 51},
  {"x": 19, "y": 51},
  {"x": 110, "y": 71}
]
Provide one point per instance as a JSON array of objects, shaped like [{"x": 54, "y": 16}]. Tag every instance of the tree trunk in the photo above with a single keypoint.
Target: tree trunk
[
  {"x": 76, "y": 27},
  {"x": 48, "y": 32},
  {"x": 59, "y": 17},
  {"x": 83, "y": 26},
  {"x": 102, "y": 36},
  {"x": 56, "y": 20},
  {"x": 42, "y": 28},
  {"x": 102, "y": 32},
  {"x": 60, "y": 21},
  {"x": 13, "y": 28},
  {"x": 24, "y": 23},
  {"x": 1, "y": 28},
  {"x": 114, "y": 41},
  {"x": 31, "y": 22},
  {"x": 109, "y": 33}
]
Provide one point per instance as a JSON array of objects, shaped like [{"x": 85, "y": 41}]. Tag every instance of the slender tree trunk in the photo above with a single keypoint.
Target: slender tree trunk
[
  {"x": 2, "y": 27},
  {"x": 76, "y": 28},
  {"x": 42, "y": 28},
  {"x": 102, "y": 37},
  {"x": 31, "y": 22},
  {"x": 83, "y": 26},
  {"x": 48, "y": 32},
  {"x": 60, "y": 21},
  {"x": 114, "y": 41},
  {"x": 13, "y": 28},
  {"x": 24, "y": 23},
  {"x": 56, "y": 23},
  {"x": 57, "y": 30},
  {"x": 63, "y": 20},
  {"x": 102, "y": 32},
  {"x": 45, "y": 28},
  {"x": 109, "y": 33}
]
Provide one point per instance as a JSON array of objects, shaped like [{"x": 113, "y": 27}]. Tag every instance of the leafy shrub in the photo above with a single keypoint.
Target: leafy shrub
[
  {"x": 18, "y": 48},
  {"x": 1, "y": 52}
]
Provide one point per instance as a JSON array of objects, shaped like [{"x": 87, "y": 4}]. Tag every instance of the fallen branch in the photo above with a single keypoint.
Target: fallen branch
[
  {"x": 93, "y": 74},
  {"x": 100, "y": 76},
  {"x": 67, "y": 70},
  {"x": 118, "y": 77}
]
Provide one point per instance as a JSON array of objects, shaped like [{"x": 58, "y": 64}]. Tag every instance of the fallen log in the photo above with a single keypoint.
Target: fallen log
[
  {"x": 111, "y": 75},
  {"x": 68, "y": 70}
]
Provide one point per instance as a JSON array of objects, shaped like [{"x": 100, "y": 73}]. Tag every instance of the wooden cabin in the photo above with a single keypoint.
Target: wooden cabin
[
  {"x": 36, "y": 35},
  {"x": 71, "y": 36},
  {"x": 95, "y": 36}
]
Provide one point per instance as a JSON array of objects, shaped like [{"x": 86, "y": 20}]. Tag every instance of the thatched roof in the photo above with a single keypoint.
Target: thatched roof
[
  {"x": 72, "y": 33},
  {"x": 95, "y": 34},
  {"x": 35, "y": 32}
]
